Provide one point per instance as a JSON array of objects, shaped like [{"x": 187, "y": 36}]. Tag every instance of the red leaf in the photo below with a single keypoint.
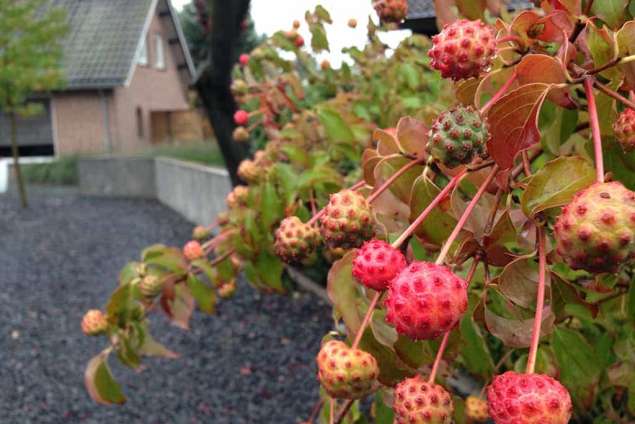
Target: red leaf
[
  {"x": 514, "y": 122},
  {"x": 546, "y": 69}
]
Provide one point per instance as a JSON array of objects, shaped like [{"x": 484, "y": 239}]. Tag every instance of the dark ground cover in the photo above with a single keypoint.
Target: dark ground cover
[{"x": 251, "y": 363}]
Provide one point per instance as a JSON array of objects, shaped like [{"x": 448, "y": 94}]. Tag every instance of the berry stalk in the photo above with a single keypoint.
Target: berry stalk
[
  {"x": 364, "y": 324},
  {"x": 393, "y": 178},
  {"x": 465, "y": 216},
  {"x": 446, "y": 336},
  {"x": 540, "y": 301},
  {"x": 595, "y": 129},
  {"x": 435, "y": 202}
]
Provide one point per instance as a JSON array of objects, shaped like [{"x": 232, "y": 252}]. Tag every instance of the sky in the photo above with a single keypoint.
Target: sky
[{"x": 273, "y": 15}]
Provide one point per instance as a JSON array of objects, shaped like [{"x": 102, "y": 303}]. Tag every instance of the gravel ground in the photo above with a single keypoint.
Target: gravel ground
[{"x": 251, "y": 363}]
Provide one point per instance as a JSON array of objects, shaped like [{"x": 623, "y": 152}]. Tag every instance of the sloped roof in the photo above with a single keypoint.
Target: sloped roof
[
  {"x": 421, "y": 9},
  {"x": 104, "y": 36}
]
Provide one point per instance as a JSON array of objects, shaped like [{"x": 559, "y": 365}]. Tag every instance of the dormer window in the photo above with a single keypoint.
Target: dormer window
[
  {"x": 142, "y": 54},
  {"x": 159, "y": 59}
]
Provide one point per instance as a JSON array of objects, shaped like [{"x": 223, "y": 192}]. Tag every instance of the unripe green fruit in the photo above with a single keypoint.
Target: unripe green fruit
[
  {"x": 458, "y": 136},
  {"x": 150, "y": 286}
]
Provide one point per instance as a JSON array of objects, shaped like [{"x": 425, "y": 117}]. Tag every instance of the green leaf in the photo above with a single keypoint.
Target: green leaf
[
  {"x": 610, "y": 11},
  {"x": 270, "y": 205},
  {"x": 100, "y": 384},
  {"x": 556, "y": 183},
  {"x": 129, "y": 272},
  {"x": 620, "y": 164},
  {"x": 439, "y": 224},
  {"x": 471, "y": 9},
  {"x": 121, "y": 304},
  {"x": 167, "y": 258},
  {"x": 336, "y": 128},
  {"x": 202, "y": 293},
  {"x": 270, "y": 268},
  {"x": 343, "y": 292},
  {"x": 580, "y": 369},
  {"x": 151, "y": 347},
  {"x": 474, "y": 350},
  {"x": 210, "y": 273},
  {"x": 319, "y": 41},
  {"x": 402, "y": 186}
]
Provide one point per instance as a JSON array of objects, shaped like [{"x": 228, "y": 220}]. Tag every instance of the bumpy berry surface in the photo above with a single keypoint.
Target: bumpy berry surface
[
  {"x": 624, "y": 129},
  {"x": 150, "y": 286},
  {"x": 240, "y": 134},
  {"x": 241, "y": 117},
  {"x": 347, "y": 220},
  {"x": 248, "y": 171},
  {"x": 244, "y": 59},
  {"x": 193, "y": 250},
  {"x": 476, "y": 409},
  {"x": 237, "y": 197},
  {"x": 94, "y": 323},
  {"x": 377, "y": 263},
  {"x": 227, "y": 290},
  {"x": 596, "y": 231},
  {"x": 391, "y": 10},
  {"x": 457, "y": 136},
  {"x": 515, "y": 398},
  {"x": 463, "y": 49},
  {"x": 425, "y": 300},
  {"x": 200, "y": 233},
  {"x": 419, "y": 402},
  {"x": 295, "y": 240},
  {"x": 346, "y": 373}
]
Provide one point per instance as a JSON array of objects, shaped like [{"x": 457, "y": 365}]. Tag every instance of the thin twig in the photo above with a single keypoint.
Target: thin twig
[
  {"x": 603, "y": 88},
  {"x": 393, "y": 178},
  {"x": 345, "y": 408},
  {"x": 446, "y": 336},
  {"x": 540, "y": 300},
  {"x": 595, "y": 129},
  {"x": 367, "y": 317},
  {"x": 466, "y": 214},
  {"x": 437, "y": 200}
]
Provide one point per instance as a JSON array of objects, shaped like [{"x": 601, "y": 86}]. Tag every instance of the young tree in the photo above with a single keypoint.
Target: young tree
[{"x": 30, "y": 56}]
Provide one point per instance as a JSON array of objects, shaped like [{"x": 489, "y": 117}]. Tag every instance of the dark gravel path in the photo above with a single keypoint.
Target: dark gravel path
[{"x": 252, "y": 363}]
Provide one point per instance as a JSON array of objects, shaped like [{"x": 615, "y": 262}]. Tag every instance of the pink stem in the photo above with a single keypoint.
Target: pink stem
[
  {"x": 470, "y": 207},
  {"x": 392, "y": 179},
  {"x": 332, "y": 411},
  {"x": 595, "y": 129},
  {"x": 364, "y": 324},
  {"x": 437, "y": 359},
  {"x": 526, "y": 164},
  {"x": 501, "y": 91},
  {"x": 440, "y": 197},
  {"x": 540, "y": 301},
  {"x": 446, "y": 336}
]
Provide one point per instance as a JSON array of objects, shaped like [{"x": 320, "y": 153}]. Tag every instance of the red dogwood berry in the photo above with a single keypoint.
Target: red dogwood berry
[
  {"x": 377, "y": 263},
  {"x": 425, "y": 300}
]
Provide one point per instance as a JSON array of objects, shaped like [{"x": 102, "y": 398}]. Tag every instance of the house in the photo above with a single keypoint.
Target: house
[{"x": 128, "y": 71}]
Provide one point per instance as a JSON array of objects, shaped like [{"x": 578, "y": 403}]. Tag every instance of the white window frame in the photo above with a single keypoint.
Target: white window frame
[
  {"x": 159, "y": 52},
  {"x": 142, "y": 54}
]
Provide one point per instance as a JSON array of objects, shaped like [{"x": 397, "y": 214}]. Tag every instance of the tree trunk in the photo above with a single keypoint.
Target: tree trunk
[
  {"x": 16, "y": 159},
  {"x": 214, "y": 83}
]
